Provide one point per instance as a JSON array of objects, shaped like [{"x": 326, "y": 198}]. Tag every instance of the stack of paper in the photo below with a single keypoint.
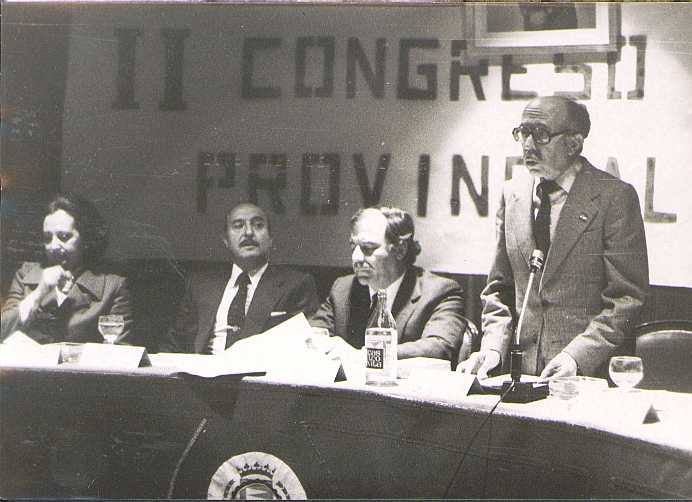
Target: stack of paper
[{"x": 283, "y": 353}]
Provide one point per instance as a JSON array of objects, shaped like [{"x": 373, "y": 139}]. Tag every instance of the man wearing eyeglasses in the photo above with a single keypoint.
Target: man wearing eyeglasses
[
  {"x": 589, "y": 226},
  {"x": 249, "y": 298}
]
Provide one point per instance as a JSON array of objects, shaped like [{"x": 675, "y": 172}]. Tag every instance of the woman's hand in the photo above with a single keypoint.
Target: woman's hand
[{"x": 52, "y": 277}]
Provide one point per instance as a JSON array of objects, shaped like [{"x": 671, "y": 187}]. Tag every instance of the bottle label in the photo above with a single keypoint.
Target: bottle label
[
  {"x": 375, "y": 359},
  {"x": 380, "y": 356}
]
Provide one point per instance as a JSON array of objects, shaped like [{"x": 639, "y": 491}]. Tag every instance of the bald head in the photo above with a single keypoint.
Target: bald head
[
  {"x": 552, "y": 133},
  {"x": 559, "y": 113}
]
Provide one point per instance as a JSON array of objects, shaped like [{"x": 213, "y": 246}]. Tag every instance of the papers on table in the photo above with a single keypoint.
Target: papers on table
[
  {"x": 414, "y": 366},
  {"x": 283, "y": 352},
  {"x": 435, "y": 385},
  {"x": 20, "y": 350},
  {"x": 201, "y": 365},
  {"x": 106, "y": 356},
  {"x": 20, "y": 340},
  {"x": 618, "y": 408}
]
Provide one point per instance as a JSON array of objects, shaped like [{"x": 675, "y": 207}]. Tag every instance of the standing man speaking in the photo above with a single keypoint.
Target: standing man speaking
[{"x": 588, "y": 225}]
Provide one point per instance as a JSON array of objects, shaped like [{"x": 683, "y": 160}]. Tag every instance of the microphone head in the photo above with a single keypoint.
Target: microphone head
[{"x": 536, "y": 261}]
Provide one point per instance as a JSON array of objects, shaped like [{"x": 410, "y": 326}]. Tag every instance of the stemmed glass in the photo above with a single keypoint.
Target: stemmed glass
[
  {"x": 626, "y": 371},
  {"x": 111, "y": 327}
]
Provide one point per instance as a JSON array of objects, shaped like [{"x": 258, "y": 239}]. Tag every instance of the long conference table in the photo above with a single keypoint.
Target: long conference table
[{"x": 154, "y": 432}]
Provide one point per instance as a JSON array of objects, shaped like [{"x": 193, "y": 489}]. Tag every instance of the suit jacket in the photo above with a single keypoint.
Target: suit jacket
[
  {"x": 594, "y": 281},
  {"x": 76, "y": 320},
  {"x": 427, "y": 310},
  {"x": 280, "y": 294}
]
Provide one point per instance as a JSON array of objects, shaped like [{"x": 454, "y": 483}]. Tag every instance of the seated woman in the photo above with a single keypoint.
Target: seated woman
[{"x": 62, "y": 299}]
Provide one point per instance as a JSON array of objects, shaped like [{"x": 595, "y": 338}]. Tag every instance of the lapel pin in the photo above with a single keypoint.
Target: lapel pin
[{"x": 583, "y": 217}]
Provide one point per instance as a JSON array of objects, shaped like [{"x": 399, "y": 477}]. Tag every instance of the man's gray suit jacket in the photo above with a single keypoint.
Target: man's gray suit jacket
[
  {"x": 428, "y": 310},
  {"x": 595, "y": 278}
]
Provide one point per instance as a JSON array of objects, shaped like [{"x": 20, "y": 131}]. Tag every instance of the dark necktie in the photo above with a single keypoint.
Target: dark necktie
[
  {"x": 541, "y": 224},
  {"x": 360, "y": 315},
  {"x": 236, "y": 313},
  {"x": 373, "y": 304}
]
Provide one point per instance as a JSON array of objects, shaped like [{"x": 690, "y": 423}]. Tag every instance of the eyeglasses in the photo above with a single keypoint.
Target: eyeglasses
[{"x": 540, "y": 134}]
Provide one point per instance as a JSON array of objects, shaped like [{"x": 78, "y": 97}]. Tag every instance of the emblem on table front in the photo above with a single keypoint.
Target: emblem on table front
[{"x": 255, "y": 476}]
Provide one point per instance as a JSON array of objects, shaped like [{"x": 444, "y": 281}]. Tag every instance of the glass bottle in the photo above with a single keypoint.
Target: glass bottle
[{"x": 381, "y": 345}]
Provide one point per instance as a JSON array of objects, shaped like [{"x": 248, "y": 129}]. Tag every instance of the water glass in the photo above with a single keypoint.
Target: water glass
[
  {"x": 111, "y": 327},
  {"x": 70, "y": 352},
  {"x": 626, "y": 371}
]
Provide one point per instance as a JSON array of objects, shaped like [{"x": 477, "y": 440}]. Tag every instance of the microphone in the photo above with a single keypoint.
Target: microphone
[
  {"x": 536, "y": 261},
  {"x": 535, "y": 266},
  {"x": 516, "y": 391}
]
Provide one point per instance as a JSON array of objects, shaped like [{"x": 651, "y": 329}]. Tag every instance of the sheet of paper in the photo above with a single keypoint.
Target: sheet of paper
[
  {"x": 410, "y": 367},
  {"x": 435, "y": 384},
  {"x": 101, "y": 355},
  {"x": 619, "y": 408},
  {"x": 202, "y": 365},
  {"x": 20, "y": 350},
  {"x": 284, "y": 353},
  {"x": 20, "y": 339}
]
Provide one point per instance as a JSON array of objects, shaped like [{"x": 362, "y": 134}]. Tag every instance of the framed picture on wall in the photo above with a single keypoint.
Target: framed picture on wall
[{"x": 539, "y": 28}]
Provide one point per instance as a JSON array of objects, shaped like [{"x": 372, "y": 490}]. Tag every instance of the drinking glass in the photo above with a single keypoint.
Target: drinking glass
[
  {"x": 111, "y": 327},
  {"x": 626, "y": 371},
  {"x": 70, "y": 352}
]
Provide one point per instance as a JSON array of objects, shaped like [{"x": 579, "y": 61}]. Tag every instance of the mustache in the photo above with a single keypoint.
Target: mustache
[{"x": 250, "y": 241}]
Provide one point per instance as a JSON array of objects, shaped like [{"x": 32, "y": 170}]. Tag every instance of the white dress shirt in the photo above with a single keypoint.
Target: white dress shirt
[
  {"x": 227, "y": 298},
  {"x": 558, "y": 197},
  {"x": 391, "y": 290}
]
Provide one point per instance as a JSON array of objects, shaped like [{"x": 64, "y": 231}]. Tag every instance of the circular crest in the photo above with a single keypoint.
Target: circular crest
[{"x": 255, "y": 476}]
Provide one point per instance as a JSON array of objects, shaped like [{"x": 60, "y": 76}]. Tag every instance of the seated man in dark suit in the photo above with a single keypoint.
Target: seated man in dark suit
[
  {"x": 220, "y": 309},
  {"x": 427, "y": 308}
]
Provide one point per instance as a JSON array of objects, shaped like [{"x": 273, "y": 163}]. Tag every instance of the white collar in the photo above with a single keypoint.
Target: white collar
[
  {"x": 255, "y": 275},
  {"x": 391, "y": 290},
  {"x": 566, "y": 178}
]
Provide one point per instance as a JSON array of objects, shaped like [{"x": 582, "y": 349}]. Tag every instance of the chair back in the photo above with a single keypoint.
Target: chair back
[{"x": 666, "y": 351}]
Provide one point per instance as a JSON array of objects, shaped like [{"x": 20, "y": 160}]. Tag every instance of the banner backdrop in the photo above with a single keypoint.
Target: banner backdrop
[{"x": 174, "y": 113}]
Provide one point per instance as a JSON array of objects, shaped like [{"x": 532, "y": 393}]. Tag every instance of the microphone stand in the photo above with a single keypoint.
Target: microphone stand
[{"x": 516, "y": 391}]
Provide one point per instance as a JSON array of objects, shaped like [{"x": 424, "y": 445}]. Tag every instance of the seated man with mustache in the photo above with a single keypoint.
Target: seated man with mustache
[
  {"x": 220, "y": 309},
  {"x": 427, "y": 308}
]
